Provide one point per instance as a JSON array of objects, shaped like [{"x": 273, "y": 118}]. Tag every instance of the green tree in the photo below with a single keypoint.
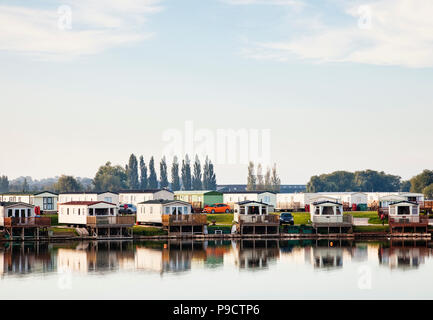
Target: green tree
[
  {"x": 163, "y": 173},
  {"x": 405, "y": 186},
  {"x": 153, "y": 180},
  {"x": 428, "y": 192},
  {"x": 212, "y": 177},
  {"x": 25, "y": 185},
  {"x": 67, "y": 184},
  {"x": 186, "y": 174},
  {"x": 197, "y": 176},
  {"x": 422, "y": 180},
  {"x": 275, "y": 180},
  {"x": 132, "y": 172},
  {"x": 4, "y": 184},
  {"x": 260, "y": 178},
  {"x": 175, "y": 180},
  {"x": 112, "y": 178},
  {"x": 251, "y": 179},
  {"x": 143, "y": 174},
  {"x": 268, "y": 180}
]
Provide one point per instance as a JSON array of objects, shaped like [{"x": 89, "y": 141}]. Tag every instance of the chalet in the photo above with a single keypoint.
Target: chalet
[
  {"x": 99, "y": 218},
  {"x": 24, "y": 197},
  {"x": 329, "y": 215},
  {"x": 46, "y": 201},
  {"x": 404, "y": 215},
  {"x": 134, "y": 197},
  {"x": 199, "y": 198},
  {"x": 107, "y": 196},
  {"x": 253, "y": 217},
  {"x": 19, "y": 220},
  {"x": 152, "y": 211},
  {"x": 268, "y": 197}
]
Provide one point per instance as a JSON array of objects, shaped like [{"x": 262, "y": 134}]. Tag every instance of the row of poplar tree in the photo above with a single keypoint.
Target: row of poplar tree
[
  {"x": 182, "y": 177},
  {"x": 256, "y": 180}
]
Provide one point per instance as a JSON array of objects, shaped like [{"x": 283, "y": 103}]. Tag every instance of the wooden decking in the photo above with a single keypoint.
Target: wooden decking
[
  {"x": 32, "y": 222},
  {"x": 267, "y": 224},
  {"x": 397, "y": 224},
  {"x": 184, "y": 224},
  {"x": 345, "y": 225},
  {"x": 110, "y": 221}
]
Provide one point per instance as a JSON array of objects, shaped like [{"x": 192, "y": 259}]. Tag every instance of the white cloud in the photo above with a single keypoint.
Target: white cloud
[
  {"x": 268, "y": 2},
  {"x": 94, "y": 27},
  {"x": 400, "y": 32}
]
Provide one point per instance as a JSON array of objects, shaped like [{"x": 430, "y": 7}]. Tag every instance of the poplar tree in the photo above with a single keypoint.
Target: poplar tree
[
  {"x": 132, "y": 172},
  {"x": 197, "y": 176},
  {"x": 251, "y": 179},
  {"x": 143, "y": 174},
  {"x": 275, "y": 180},
  {"x": 153, "y": 180},
  {"x": 163, "y": 173},
  {"x": 175, "y": 180},
  {"x": 260, "y": 181}
]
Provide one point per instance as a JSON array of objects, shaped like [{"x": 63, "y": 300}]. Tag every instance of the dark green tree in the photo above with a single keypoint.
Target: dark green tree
[
  {"x": 4, "y": 184},
  {"x": 175, "y": 180},
  {"x": 153, "y": 180},
  {"x": 197, "y": 176},
  {"x": 112, "y": 178},
  {"x": 186, "y": 174},
  {"x": 251, "y": 179},
  {"x": 67, "y": 184},
  {"x": 212, "y": 177},
  {"x": 132, "y": 172},
  {"x": 163, "y": 173},
  {"x": 422, "y": 180},
  {"x": 143, "y": 174}
]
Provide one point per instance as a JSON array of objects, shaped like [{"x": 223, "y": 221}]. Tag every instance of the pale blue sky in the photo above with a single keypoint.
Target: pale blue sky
[{"x": 335, "y": 94}]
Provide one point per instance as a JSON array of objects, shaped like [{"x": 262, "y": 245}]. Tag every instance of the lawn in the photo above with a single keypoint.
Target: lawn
[
  {"x": 148, "y": 231},
  {"x": 378, "y": 228},
  {"x": 54, "y": 219},
  {"x": 63, "y": 231},
  {"x": 372, "y": 216},
  {"x": 220, "y": 218}
]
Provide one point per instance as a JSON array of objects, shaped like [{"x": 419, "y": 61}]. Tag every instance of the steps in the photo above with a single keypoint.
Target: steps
[{"x": 82, "y": 232}]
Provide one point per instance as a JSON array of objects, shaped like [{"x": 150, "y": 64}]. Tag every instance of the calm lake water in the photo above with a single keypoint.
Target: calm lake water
[{"x": 248, "y": 269}]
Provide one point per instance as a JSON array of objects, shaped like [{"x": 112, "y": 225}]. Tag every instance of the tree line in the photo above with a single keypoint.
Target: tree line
[
  {"x": 138, "y": 174},
  {"x": 367, "y": 181},
  {"x": 256, "y": 181}
]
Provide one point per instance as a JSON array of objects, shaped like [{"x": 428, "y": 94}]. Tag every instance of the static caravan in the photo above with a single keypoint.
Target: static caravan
[
  {"x": 329, "y": 214},
  {"x": 106, "y": 196},
  {"x": 268, "y": 197},
  {"x": 253, "y": 217},
  {"x": 19, "y": 220},
  {"x": 134, "y": 197},
  {"x": 404, "y": 215},
  {"x": 46, "y": 200},
  {"x": 199, "y": 198},
  {"x": 101, "y": 219},
  {"x": 24, "y": 197},
  {"x": 151, "y": 212}
]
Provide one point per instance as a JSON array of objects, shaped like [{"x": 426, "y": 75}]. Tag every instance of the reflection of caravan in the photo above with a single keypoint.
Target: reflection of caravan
[
  {"x": 404, "y": 255},
  {"x": 256, "y": 254},
  {"x": 327, "y": 258}
]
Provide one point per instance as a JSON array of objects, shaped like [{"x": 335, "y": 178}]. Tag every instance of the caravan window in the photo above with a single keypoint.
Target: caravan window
[{"x": 167, "y": 210}]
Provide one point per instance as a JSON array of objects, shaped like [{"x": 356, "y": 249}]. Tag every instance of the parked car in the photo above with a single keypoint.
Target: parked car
[
  {"x": 127, "y": 209},
  {"x": 217, "y": 208},
  {"x": 287, "y": 218}
]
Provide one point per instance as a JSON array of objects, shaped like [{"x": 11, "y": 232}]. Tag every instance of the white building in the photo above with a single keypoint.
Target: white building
[
  {"x": 245, "y": 208},
  {"x": 268, "y": 197},
  {"x": 76, "y": 212},
  {"x": 404, "y": 210},
  {"x": 46, "y": 200},
  {"x": 15, "y": 210},
  {"x": 326, "y": 212},
  {"x": 136, "y": 196},
  {"x": 107, "y": 196},
  {"x": 17, "y": 197},
  {"x": 151, "y": 211}
]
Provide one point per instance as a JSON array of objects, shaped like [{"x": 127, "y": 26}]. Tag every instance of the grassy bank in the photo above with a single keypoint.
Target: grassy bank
[
  {"x": 220, "y": 218},
  {"x": 63, "y": 231},
  {"x": 148, "y": 231},
  {"x": 378, "y": 228}
]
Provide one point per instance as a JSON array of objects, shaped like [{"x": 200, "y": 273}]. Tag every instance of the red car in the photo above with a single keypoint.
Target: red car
[{"x": 217, "y": 208}]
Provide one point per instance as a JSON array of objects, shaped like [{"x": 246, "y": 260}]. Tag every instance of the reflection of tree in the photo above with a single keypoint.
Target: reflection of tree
[
  {"x": 256, "y": 254},
  {"x": 403, "y": 254}
]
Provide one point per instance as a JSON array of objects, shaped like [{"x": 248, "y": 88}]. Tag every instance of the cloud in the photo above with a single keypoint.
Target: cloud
[
  {"x": 385, "y": 32},
  {"x": 268, "y": 2},
  {"x": 85, "y": 27}
]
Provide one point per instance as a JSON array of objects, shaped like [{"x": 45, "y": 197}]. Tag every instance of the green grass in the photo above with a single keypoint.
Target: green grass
[
  {"x": 148, "y": 231},
  {"x": 226, "y": 229},
  {"x": 378, "y": 228},
  {"x": 221, "y": 218},
  {"x": 63, "y": 231},
  {"x": 372, "y": 216}
]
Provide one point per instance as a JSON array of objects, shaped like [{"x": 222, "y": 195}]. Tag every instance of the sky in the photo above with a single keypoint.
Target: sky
[{"x": 312, "y": 86}]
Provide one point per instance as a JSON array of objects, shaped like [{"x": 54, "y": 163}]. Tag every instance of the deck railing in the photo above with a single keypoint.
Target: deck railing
[
  {"x": 29, "y": 221},
  {"x": 408, "y": 219},
  {"x": 184, "y": 219},
  {"x": 257, "y": 218},
  {"x": 107, "y": 220}
]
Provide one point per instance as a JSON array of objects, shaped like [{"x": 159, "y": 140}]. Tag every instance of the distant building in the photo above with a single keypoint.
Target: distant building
[
  {"x": 136, "y": 196},
  {"x": 233, "y": 197},
  {"x": 107, "y": 196},
  {"x": 287, "y": 188},
  {"x": 45, "y": 200}
]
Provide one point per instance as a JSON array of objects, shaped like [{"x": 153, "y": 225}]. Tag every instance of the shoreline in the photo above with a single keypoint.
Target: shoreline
[{"x": 347, "y": 236}]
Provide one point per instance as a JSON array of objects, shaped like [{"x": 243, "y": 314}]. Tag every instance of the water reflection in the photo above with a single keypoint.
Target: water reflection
[
  {"x": 180, "y": 257},
  {"x": 404, "y": 255}
]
